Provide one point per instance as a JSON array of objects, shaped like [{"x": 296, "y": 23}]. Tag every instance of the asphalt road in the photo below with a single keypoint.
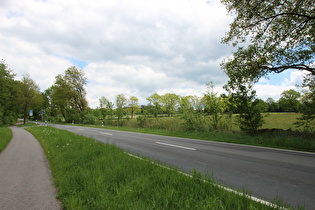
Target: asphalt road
[{"x": 266, "y": 173}]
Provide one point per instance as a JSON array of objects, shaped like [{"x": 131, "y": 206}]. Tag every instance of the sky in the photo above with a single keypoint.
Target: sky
[{"x": 136, "y": 48}]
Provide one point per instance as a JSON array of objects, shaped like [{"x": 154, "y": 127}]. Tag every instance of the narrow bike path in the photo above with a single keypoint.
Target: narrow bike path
[{"x": 25, "y": 177}]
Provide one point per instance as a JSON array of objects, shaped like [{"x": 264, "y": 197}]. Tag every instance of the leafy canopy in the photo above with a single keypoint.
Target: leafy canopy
[{"x": 281, "y": 36}]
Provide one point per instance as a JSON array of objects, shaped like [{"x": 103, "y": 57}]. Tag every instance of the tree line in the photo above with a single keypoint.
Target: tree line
[{"x": 65, "y": 101}]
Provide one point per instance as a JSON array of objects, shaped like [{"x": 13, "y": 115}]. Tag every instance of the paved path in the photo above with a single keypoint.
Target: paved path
[{"x": 25, "y": 178}]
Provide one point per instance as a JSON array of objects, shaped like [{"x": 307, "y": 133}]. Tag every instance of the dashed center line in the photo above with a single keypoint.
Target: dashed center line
[
  {"x": 106, "y": 133},
  {"x": 81, "y": 129},
  {"x": 177, "y": 146}
]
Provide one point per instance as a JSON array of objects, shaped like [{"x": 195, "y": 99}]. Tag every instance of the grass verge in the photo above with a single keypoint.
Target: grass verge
[
  {"x": 28, "y": 124},
  {"x": 6, "y": 136},
  {"x": 92, "y": 175}
]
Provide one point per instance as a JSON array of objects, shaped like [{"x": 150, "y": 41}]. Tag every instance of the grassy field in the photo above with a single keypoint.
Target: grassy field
[
  {"x": 92, "y": 175},
  {"x": 6, "y": 136},
  {"x": 281, "y": 120}
]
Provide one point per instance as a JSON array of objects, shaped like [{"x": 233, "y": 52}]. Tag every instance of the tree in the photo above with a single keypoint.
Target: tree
[
  {"x": 29, "y": 96},
  {"x": 213, "y": 105},
  {"x": 8, "y": 95},
  {"x": 133, "y": 105},
  {"x": 106, "y": 107},
  {"x": 170, "y": 102},
  {"x": 281, "y": 36},
  {"x": 68, "y": 93},
  {"x": 51, "y": 109},
  {"x": 186, "y": 104},
  {"x": 289, "y": 101},
  {"x": 121, "y": 102},
  {"x": 154, "y": 107},
  {"x": 273, "y": 106},
  {"x": 245, "y": 103},
  {"x": 308, "y": 105}
]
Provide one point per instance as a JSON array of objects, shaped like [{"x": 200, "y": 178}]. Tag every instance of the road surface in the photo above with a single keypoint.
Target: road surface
[{"x": 267, "y": 173}]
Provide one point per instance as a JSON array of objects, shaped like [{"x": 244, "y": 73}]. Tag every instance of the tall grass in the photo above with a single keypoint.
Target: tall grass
[
  {"x": 5, "y": 137},
  {"x": 92, "y": 175}
]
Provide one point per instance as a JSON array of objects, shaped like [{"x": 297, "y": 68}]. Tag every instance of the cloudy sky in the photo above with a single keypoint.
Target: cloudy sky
[{"x": 136, "y": 48}]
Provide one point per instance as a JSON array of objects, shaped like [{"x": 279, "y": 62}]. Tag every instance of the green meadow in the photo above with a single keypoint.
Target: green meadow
[{"x": 92, "y": 175}]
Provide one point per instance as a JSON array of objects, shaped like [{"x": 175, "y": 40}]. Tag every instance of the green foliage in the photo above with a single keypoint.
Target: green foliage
[
  {"x": 170, "y": 103},
  {"x": 196, "y": 122},
  {"x": 247, "y": 105},
  {"x": 154, "y": 107},
  {"x": 106, "y": 108},
  {"x": 307, "y": 121},
  {"x": 273, "y": 106},
  {"x": 133, "y": 106},
  {"x": 68, "y": 93},
  {"x": 29, "y": 96},
  {"x": 281, "y": 36},
  {"x": 6, "y": 136},
  {"x": 289, "y": 101},
  {"x": 91, "y": 117},
  {"x": 9, "y": 108},
  {"x": 93, "y": 175},
  {"x": 213, "y": 106}
]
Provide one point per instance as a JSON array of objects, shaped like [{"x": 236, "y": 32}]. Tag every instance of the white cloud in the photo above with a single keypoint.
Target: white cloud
[
  {"x": 295, "y": 77},
  {"x": 271, "y": 91},
  {"x": 135, "y": 47}
]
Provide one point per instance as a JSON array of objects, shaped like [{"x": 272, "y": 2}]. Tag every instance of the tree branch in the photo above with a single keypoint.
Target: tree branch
[
  {"x": 280, "y": 69},
  {"x": 280, "y": 14}
]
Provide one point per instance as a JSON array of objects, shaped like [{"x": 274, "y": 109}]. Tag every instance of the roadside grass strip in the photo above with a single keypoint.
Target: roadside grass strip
[
  {"x": 92, "y": 175},
  {"x": 5, "y": 137},
  {"x": 267, "y": 203}
]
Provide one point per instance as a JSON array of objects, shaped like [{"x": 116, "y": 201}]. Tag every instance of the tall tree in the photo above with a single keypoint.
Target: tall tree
[
  {"x": 186, "y": 104},
  {"x": 8, "y": 95},
  {"x": 155, "y": 105},
  {"x": 69, "y": 93},
  {"x": 121, "y": 102},
  {"x": 106, "y": 107},
  {"x": 289, "y": 100},
  {"x": 213, "y": 105},
  {"x": 273, "y": 106},
  {"x": 133, "y": 105},
  {"x": 170, "y": 103},
  {"x": 245, "y": 102},
  {"x": 281, "y": 36},
  {"x": 29, "y": 97}
]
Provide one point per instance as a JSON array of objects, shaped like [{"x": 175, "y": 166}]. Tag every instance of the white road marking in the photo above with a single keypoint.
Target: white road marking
[
  {"x": 177, "y": 146},
  {"x": 106, "y": 133},
  {"x": 81, "y": 129}
]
